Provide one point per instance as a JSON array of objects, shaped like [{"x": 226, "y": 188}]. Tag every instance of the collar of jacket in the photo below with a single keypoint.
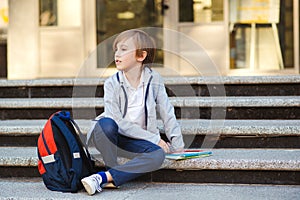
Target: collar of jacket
[{"x": 147, "y": 78}]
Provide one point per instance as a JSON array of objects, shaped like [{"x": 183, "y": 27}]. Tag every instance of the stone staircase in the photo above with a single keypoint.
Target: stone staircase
[{"x": 251, "y": 124}]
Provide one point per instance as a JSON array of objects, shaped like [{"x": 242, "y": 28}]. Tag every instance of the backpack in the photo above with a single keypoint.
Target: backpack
[{"x": 63, "y": 159}]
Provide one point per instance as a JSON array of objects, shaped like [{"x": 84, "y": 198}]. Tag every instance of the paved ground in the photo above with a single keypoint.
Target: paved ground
[{"x": 34, "y": 189}]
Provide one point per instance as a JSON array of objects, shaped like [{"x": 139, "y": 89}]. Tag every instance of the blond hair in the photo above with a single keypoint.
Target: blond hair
[{"x": 142, "y": 42}]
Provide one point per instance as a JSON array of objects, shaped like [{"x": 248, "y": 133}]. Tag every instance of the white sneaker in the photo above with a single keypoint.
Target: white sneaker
[{"x": 92, "y": 183}]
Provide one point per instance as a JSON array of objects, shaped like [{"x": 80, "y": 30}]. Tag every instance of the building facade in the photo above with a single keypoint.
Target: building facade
[{"x": 72, "y": 38}]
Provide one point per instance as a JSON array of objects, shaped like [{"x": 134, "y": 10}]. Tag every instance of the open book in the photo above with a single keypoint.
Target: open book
[{"x": 188, "y": 154}]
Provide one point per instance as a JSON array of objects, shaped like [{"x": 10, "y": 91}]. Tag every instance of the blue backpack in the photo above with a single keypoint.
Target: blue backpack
[{"x": 63, "y": 159}]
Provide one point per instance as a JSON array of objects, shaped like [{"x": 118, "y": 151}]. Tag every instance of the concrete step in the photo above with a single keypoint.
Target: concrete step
[
  {"x": 24, "y": 188},
  {"x": 171, "y": 80},
  {"x": 221, "y": 159},
  {"x": 277, "y": 166},
  {"x": 176, "y": 86},
  {"x": 216, "y": 133},
  {"x": 188, "y": 127},
  {"x": 262, "y": 101},
  {"x": 263, "y": 107}
]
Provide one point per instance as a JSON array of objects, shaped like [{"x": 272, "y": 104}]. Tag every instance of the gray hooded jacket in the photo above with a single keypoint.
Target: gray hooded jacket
[{"x": 156, "y": 101}]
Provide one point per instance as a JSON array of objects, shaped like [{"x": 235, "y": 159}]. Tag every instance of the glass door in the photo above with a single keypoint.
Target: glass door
[
  {"x": 200, "y": 31},
  {"x": 191, "y": 35}
]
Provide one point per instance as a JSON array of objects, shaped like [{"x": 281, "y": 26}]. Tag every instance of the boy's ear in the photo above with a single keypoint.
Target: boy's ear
[{"x": 141, "y": 56}]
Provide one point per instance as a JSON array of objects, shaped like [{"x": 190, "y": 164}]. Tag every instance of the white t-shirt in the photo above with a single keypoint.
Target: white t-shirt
[{"x": 136, "y": 97}]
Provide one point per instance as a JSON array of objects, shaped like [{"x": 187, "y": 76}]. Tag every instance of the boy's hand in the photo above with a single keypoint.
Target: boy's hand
[{"x": 165, "y": 146}]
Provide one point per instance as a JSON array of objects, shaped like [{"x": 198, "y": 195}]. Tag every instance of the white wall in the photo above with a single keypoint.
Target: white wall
[{"x": 23, "y": 39}]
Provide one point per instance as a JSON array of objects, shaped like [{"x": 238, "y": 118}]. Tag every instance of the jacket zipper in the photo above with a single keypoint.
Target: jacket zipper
[{"x": 126, "y": 99}]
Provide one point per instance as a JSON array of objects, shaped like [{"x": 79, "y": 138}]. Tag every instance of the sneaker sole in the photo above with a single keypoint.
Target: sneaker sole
[{"x": 87, "y": 188}]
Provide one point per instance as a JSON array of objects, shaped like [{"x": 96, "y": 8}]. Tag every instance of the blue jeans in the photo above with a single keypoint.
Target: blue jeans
[{"x": 144, "y": 155}]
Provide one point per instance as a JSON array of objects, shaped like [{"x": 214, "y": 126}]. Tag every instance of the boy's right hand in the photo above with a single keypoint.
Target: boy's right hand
[{"x": 165, "y": 146}]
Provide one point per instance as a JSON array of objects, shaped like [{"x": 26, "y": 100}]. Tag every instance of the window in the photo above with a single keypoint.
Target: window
[
  {"x": 200, "y": 11},
  {"x": 274, "y": 34},
  {"x": 115, "y": 16},
  {"x": 48, "y": 12}
]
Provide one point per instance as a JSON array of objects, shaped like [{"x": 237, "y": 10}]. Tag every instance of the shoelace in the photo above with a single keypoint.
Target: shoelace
[{"x": 99, "y": 181}]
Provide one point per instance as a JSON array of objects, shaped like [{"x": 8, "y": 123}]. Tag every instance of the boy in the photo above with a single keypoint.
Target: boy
[{"x": 132, "y": 97}]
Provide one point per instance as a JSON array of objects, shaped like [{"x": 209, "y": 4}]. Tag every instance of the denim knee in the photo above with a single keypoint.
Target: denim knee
[
  {"x": 158, "y": 158},
  {"x": 106, "y": 126}
]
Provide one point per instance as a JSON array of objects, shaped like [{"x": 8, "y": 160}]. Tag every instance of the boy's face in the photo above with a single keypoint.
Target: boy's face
[{"x": 125, "y": 55}]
